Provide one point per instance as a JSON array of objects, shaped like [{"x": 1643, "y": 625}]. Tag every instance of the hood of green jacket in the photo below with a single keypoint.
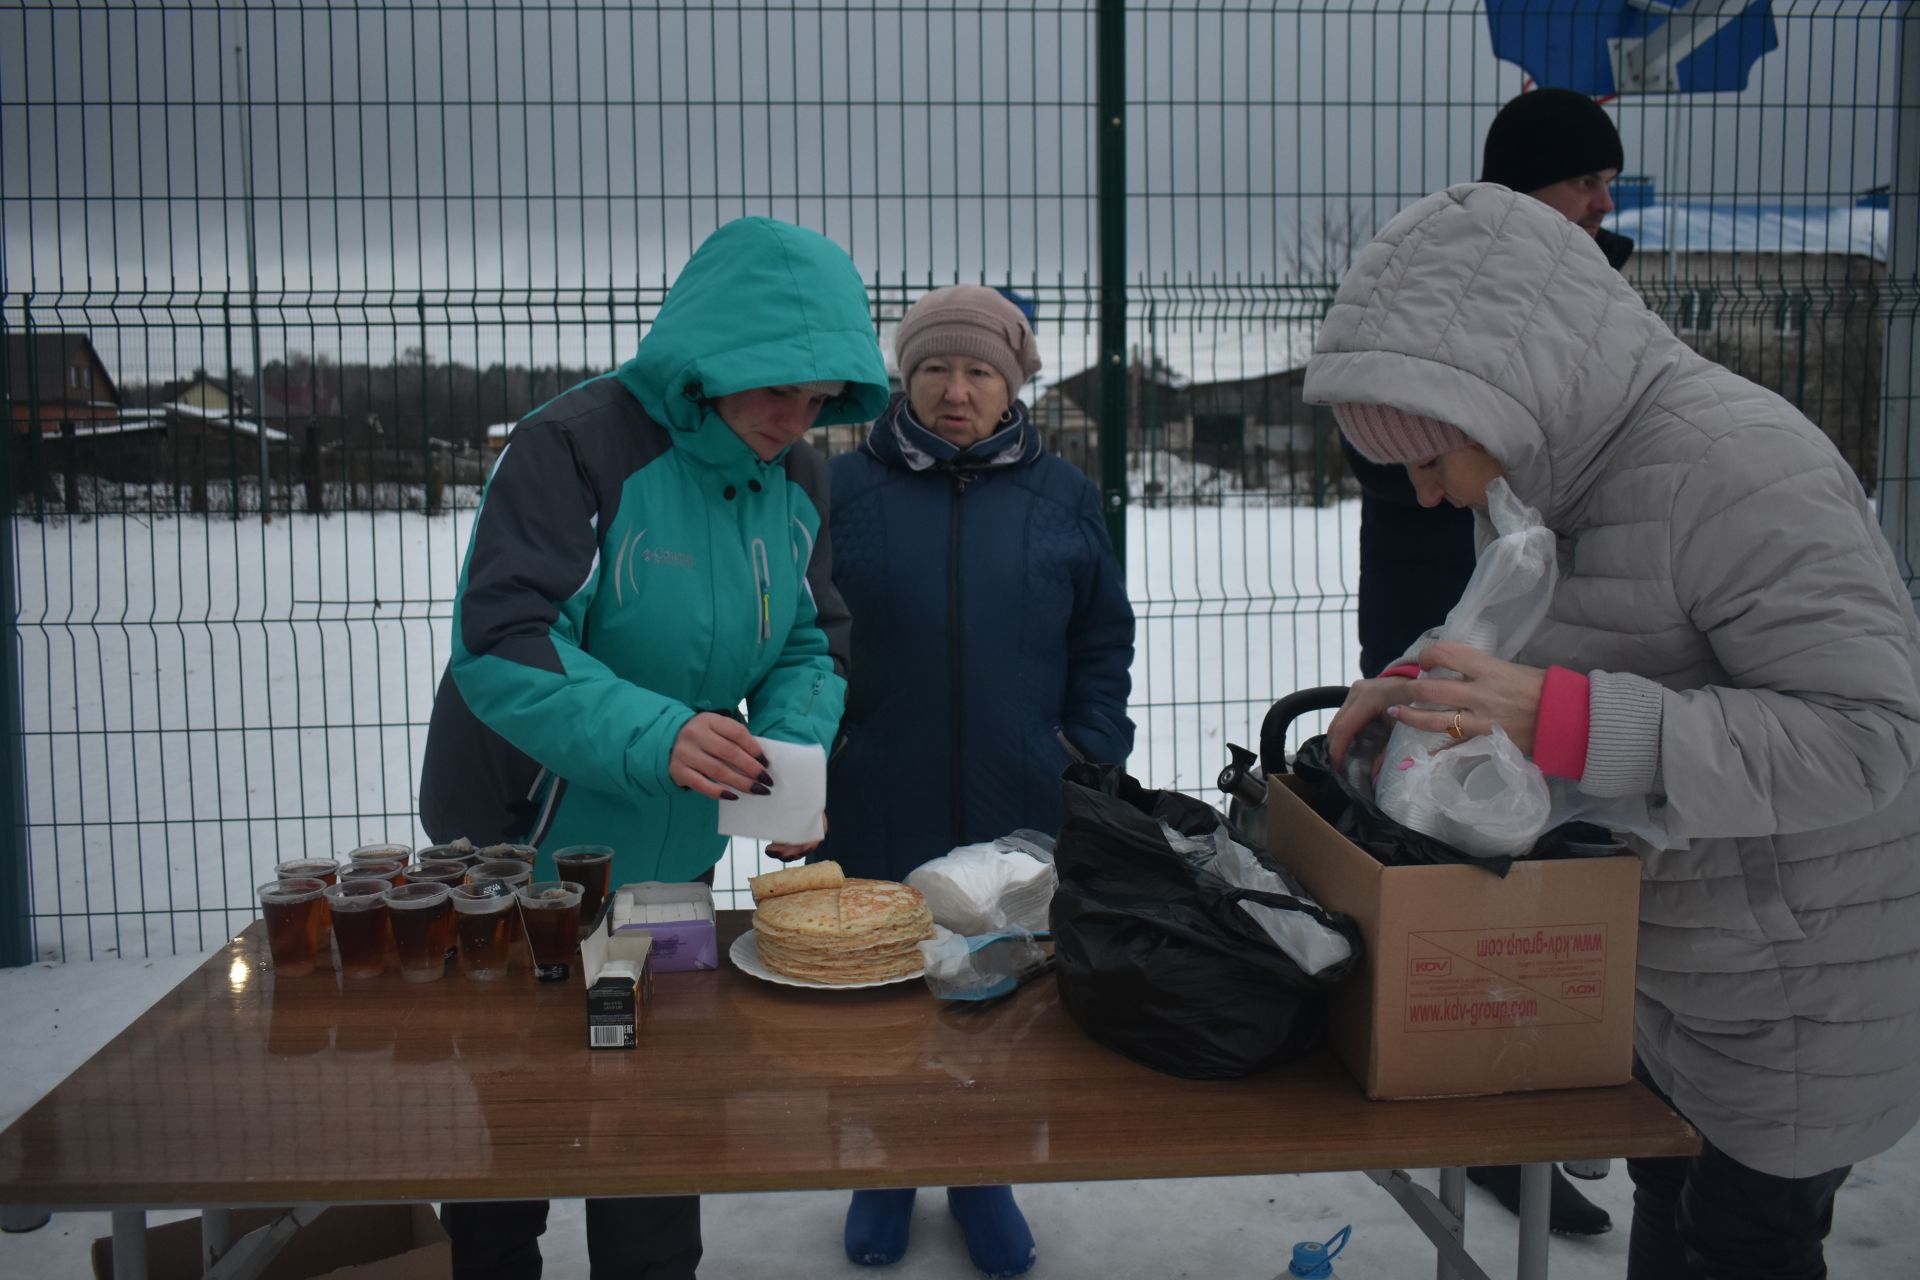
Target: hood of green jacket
[{"x": 760, "y": 304}]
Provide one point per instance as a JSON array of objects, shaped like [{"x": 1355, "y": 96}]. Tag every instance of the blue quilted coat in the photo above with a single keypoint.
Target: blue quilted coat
[{"x": 991, "y": 638}]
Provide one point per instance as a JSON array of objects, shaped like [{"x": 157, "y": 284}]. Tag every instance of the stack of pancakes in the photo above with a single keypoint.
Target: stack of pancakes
[{"x": 858, "y": 931}]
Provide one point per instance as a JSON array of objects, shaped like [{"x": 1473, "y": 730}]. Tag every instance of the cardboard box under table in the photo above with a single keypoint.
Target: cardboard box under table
[{"x": 1473, "y": 983}]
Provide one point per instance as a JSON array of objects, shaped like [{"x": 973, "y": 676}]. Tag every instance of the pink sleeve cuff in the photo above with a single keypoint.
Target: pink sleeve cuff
[
  {"x": 1561, "y": 725},
  {"x": 1406, "y": 670}
]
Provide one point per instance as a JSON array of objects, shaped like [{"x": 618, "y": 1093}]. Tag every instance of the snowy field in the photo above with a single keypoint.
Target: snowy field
[{"x": 207, "y": 697}]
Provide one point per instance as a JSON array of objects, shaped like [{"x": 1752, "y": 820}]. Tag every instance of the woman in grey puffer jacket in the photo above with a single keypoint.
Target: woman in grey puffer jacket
[{"x": 1734, "y": 643}]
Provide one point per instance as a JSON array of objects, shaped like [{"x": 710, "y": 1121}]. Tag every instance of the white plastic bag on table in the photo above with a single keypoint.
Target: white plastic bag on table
[{"x": 983, "y": 888}]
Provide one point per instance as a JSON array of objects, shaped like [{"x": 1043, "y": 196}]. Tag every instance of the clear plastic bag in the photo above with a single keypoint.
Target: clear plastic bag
[
  {"x": 984, "y": 967},
  {"x": 1482, "y": 796}
]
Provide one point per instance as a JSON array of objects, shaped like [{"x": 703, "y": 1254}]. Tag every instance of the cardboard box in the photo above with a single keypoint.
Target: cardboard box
[
  {"x": 1473, "y": 984},
  {"x": 347, "y": 1242},
  {"x": 680, "y": 918},
  {"x": 616, "y": 1005}
]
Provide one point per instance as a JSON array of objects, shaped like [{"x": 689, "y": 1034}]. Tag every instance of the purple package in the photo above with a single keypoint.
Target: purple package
[{"x": 681, "y": 923}]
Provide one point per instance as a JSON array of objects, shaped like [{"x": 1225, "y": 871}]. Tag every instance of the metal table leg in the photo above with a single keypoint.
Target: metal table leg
[
  {"x": 1436, "y": 1221},
  {"x": 216, "y": 1235},
  {"x": 1453, "y": 1198},
  {"x": 1536, "y": 1192},
  {"x": 130, "y": 1244}
]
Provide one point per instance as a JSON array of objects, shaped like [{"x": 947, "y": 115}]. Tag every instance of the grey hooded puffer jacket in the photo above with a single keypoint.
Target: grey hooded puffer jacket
[{"x": 1753, "y": 653}]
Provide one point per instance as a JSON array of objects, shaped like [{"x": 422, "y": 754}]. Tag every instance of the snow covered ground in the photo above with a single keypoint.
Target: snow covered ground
[{"x": 209, "y": 697}]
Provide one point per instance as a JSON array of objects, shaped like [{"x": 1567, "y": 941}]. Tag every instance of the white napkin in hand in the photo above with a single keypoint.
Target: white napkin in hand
[{"x": 796, "y": 811}]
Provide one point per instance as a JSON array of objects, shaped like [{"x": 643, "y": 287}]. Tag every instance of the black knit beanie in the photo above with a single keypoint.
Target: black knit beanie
[{"x": 1546, "y": 136}]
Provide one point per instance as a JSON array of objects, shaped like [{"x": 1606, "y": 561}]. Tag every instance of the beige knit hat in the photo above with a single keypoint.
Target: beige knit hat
[
  {"x": 1385, "y": 434},
  {"x": 968, "y": 320}
]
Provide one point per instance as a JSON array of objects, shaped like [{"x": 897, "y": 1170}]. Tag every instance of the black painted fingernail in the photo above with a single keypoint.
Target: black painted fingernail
[
  {"x": 766, "y": 779},
  {"x": 760, "y": 790},
  {"x": 762, "y": 759},
  {"x": 728, "y": 795}
]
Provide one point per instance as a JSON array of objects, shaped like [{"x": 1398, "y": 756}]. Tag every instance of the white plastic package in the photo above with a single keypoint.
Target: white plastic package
[{"x": 985, "y": 888}]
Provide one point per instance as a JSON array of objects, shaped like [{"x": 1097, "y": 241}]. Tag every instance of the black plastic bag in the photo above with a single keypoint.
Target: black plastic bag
[
  {"x": 1360, "y": 820},
  {"x": 1155, "y": 958}
]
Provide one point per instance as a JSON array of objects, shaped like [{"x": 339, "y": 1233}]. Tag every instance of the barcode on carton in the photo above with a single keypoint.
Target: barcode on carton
[
  {"x": 1493, "y": 979},
  {"x": 610, "y": 1037}
]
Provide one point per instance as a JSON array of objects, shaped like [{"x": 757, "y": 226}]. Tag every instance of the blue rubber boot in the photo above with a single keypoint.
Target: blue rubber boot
[
  {"x": 998, "y": 1240},
  {"x": 877, "y": 1226}
]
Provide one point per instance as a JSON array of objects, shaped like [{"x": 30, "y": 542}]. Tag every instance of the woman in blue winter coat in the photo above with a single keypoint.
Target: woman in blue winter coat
[{"x": 992, "y": 641}]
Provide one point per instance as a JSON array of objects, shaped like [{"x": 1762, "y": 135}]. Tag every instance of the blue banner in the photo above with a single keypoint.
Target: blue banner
[{"x": 1606, "y": 47}]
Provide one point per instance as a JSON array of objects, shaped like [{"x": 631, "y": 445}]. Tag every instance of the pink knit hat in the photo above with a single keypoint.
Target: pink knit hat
[
  {"x": 968, "y": 320},
  {"x": 1385, "y": 434}
]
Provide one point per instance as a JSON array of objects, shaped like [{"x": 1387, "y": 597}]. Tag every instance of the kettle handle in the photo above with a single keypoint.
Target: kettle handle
[{"x": 1282, "y": 714}]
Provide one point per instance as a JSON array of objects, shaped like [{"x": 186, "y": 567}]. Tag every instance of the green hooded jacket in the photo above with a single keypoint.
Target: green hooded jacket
[{"x": 633, "y": 562}]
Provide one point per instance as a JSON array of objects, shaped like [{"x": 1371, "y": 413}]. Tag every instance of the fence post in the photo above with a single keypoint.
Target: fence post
[
  {"x": 16, "y": 903},
  {"x": 429, "y": 491},
  {"x": 1899, "y": 408},
  {"x": 1115, "y": 412}
]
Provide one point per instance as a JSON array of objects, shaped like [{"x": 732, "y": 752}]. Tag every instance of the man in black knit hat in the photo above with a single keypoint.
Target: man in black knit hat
[{"x": 1561, "y": 148}]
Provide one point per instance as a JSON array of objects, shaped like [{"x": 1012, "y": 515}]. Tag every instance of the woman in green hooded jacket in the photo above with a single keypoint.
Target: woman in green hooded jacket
[{"x": 650, "y": 554}]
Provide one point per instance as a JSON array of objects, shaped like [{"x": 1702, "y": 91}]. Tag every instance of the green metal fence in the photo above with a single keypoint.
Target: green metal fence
[{"x": 278, "y": 276}]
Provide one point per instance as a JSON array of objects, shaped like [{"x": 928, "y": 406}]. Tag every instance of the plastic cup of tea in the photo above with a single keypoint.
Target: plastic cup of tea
[
  {"x": 296, "y": 913},
  {"x": 461, "y": 851},
  {"x": 506, "y": 871},
  {"x": 421, "y": 916},
  {"x": 550, "y": 912},
  {"x": 591, "y": 867},
  {"x": 360, "y": 926},
  {"x": 381, "y": 852},
  {"x": 447, "y": 873},
  {"x": 326, "y": 872},
  {"x": 521, "y": 853},
  {"x": 486, "y": 925}
]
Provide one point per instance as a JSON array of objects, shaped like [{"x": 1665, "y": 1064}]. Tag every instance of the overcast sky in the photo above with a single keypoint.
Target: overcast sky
[{"x": 550, "y": 170}]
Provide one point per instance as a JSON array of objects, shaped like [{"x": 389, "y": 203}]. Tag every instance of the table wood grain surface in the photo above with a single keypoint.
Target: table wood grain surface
[{"x": 239, "y": 1088}]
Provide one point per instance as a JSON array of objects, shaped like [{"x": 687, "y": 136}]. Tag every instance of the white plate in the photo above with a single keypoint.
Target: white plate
[{"x": 745, "y": 954}]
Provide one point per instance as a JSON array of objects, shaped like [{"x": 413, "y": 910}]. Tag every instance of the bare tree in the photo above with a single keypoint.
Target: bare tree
[
  {"x": 1319, "y": 256},
  {"x": 1327, "y": 245}
]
